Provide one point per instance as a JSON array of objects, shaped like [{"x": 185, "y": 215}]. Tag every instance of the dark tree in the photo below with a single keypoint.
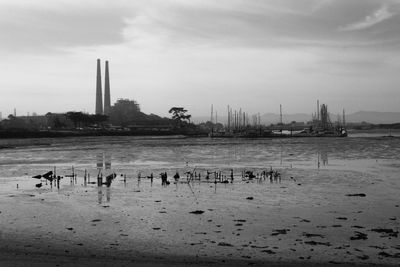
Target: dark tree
[
  {"x": 75, "y": 117},
  {"x": 97, "y": 118},
  {"x": 11, "y": 117},
  {"x": 179, "y": 115},
  {"x": 80, "y": 119}
]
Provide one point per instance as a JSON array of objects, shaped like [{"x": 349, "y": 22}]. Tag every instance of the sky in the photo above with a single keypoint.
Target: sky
[{"x": 249, "y": 54}]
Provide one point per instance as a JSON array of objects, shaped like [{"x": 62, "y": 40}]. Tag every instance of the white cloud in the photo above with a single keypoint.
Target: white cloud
[{"x": 378, "y": 16}]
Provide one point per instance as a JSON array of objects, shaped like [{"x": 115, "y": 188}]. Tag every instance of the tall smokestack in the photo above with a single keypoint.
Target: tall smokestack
[
  {"x": 99, "y": 97},
  {"x": 107, "y": 101}
]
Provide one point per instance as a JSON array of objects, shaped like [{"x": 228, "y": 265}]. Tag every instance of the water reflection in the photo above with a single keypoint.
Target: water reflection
[
  {"x": 103, "y": 159},
  {"x": 100, "y": 194},
  {"x": 99, "y": 161},
  {"x": 322, "y": 156},
  {"x": 107, "y": 161}
]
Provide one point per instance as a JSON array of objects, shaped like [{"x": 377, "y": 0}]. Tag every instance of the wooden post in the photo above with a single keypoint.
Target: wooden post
[
  {"x": 100, "y": 179},
  {"x": 84, "y": 178},
  {"x": 54, "y": 174}
]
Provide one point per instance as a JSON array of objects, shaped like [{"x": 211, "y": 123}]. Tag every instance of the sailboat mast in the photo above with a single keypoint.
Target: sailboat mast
[
  {"x": 240, "y": 119},
  {"x": 212, "y": 113},
  {"x": 235, "y": 120},
  {"x": 344, "y": 119},
  {"x": 228, "y": 119}
]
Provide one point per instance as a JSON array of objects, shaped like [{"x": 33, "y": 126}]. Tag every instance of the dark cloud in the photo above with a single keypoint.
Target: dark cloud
[{"x": 35, "y": 29}]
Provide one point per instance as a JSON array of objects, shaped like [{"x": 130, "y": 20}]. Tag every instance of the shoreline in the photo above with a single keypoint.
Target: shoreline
[
  {"x": 26, "y": 134},
  {"x": 62, "y": 134}
]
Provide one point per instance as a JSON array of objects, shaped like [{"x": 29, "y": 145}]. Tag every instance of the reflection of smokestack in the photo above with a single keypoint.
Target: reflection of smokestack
[
  {"x": 99, "y": 97},
  {"x": 107, "y": 92},
  {"x": 107, "y": 161},
  {"x": 99, "y": 162}
]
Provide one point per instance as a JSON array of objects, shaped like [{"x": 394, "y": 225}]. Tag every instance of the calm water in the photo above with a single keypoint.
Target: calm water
[{"x": 132, "y": 155}]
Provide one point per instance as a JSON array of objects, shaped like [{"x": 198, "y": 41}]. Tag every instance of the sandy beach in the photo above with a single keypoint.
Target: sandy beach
[{"x": 341, "y": 215}]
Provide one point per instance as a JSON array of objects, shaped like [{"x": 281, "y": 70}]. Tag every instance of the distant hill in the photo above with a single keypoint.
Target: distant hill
[
  {"x": 269, "y": 118},
  {"x": 374, "y": 117}
]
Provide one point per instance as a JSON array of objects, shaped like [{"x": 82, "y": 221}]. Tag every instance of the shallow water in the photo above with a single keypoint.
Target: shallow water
[{"x": 132, "y": 155}]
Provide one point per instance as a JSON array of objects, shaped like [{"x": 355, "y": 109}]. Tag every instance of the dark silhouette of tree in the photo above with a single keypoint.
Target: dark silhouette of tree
[
  {"x": 13, "y": 122},
  {"x": 75, "y": 117},
  {"x": 179, "y": 115},
  {"x": 80, "y": 119},
  {"x": 58, "y": 124},
  {"x": 58, "y": 121},
  {"x": 98, "y": 118}
]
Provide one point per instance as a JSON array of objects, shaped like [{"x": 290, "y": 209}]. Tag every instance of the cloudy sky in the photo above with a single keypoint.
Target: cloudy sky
[{"x": 249, "y": 54}]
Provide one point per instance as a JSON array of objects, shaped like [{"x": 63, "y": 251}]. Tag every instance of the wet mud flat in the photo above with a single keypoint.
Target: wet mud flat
[
  {"x": 337, "y": 203},
  {"x": 312, "y": 217}
]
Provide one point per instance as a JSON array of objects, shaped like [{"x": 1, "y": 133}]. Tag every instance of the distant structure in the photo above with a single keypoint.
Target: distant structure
[
  {"x": 99, "y": 94},
  {"x": 124, "y": 112},
  {"x": 99, "y": 97},
  {"x": 325, "y": 120},
  {"x": 107, "y": 102},
  {"x": 127, "y": 106}
]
